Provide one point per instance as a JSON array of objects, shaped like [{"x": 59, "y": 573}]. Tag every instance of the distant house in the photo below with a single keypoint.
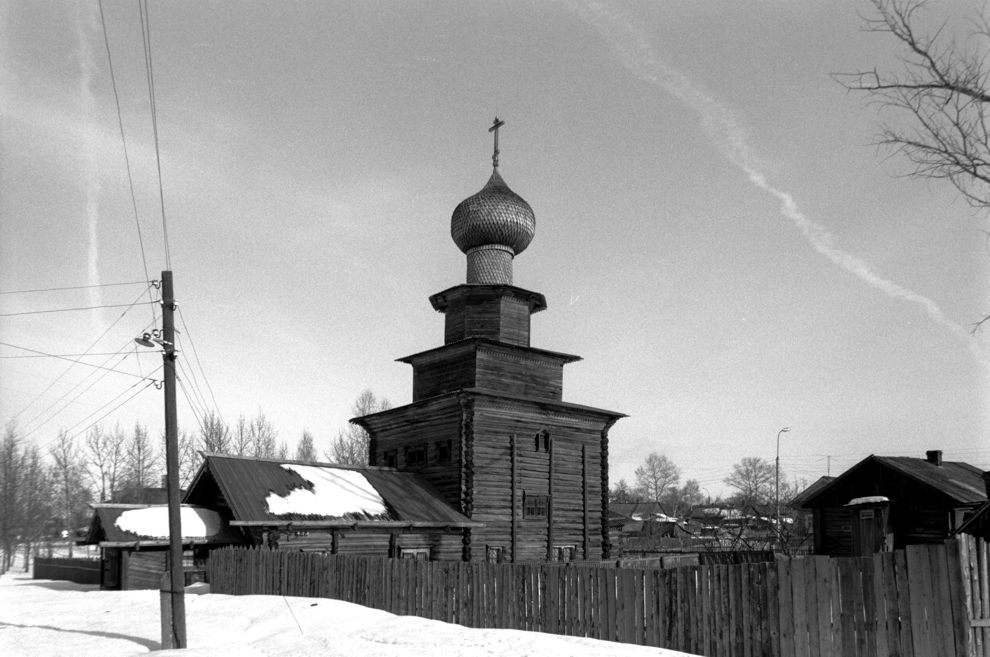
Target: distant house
[
  {"x": 644, "y": 519},
  {"x": 978, "y": 523},
  {"x": 330, "y": 508},
  {"x": 133, "y": 540},
  {"x": 888, "y": 502}
]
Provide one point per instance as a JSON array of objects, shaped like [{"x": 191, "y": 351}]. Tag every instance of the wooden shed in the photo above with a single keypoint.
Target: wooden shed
[
  {"x": 330, "y": 508},
  {"x": 133, "y": 540},
  {"x": 888, "y": 502},
  {"x": 488, "y": 426}
]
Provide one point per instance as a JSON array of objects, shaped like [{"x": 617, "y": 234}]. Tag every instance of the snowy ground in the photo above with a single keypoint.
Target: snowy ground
[{"x": 46, "y": 617}]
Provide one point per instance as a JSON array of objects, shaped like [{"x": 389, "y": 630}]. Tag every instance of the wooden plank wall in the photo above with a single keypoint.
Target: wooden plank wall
[
  {"x": 80, "y": 571},
  {"x": 973, "y": 555},
  {"x": 925, "y": 600}
]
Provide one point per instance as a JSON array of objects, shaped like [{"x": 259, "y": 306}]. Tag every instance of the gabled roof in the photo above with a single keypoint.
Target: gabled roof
[
  {"x": 961, "y": 482},
  {"x": 120, "y": 525},
  {"x": 267, "y": 492},
  {"x": 638, "y": 510},
  {"x": 798, "y": 500}
]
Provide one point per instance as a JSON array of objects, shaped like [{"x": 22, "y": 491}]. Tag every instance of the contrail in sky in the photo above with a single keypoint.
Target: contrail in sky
[
  {"x": 632, "y": 47},
  {"x": 86, "y": 22}
]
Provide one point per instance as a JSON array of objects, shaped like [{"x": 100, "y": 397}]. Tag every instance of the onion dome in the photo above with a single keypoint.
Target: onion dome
[
  {"x": 492, "y": 227},
  {"x": 495, "y": 215}
]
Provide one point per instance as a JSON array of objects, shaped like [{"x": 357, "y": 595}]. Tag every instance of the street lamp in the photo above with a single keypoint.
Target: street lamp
[{"x": 776, "y": 494}]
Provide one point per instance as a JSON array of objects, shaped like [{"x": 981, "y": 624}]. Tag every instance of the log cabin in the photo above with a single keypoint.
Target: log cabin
[
  {"x": 325, "y": 507},
  {"x": 488, "y": 427},
  {"x": 887, "y": 502},
  {"x": 133, "y": 541}
]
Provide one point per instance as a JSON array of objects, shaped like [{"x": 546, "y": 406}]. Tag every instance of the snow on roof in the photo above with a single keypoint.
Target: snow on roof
[
  {"x": 872, "y": 499},
  {"x": 334, "y": 492},
  {"x": 152, "y": 522}
]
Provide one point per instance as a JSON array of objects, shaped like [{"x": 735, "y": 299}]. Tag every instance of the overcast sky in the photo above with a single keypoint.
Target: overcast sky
[{"x": 716, "y": 235}]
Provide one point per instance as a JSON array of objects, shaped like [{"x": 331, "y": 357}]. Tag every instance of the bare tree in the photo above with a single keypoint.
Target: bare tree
[
  {"x": 240, "y": 439},
  {"x": 104, "y": 455},
  {"x": 621, "y": 493},
  {"x": 350, "y": 446},
  {"x": 189, "y": 458},
  {"x": 142, "y": 465},
  {"x": 263, "y": 437},
  {"x": 656, "y": 475},
  {"x": 24, "y": 496},
  {"x": 36, "y": 503},
  {"x": 67, "y": 478},
  {"x": 679, "y": 500},
  {"x": 306, "y": 448},
  {"x": 215, "y": 435},
  {"x": 936, "y": 106},
  {"x": 753, "y": 478}
]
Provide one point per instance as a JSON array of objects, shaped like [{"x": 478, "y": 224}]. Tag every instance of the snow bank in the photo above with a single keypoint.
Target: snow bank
[
  {"x": 46, "y": 618},
  {"x": 336, "y": 493},
  {"x": 152, "y": 522}
]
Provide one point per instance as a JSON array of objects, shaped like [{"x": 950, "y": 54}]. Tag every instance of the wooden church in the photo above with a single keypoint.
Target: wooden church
[{"x": 487, "y": 426}]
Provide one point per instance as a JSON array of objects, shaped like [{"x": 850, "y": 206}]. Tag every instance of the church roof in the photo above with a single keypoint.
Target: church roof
[{"x": 495, "y": 215}]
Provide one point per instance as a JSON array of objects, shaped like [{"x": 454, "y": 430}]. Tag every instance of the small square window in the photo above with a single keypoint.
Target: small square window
[
  {"x": 535, "y": 506},
  {"x": 390, "y": 458},
  {"x": 415, "y": 554},
  {"x": 564, "y": 552},
  {"x": 444, "y": 448},
  {"x": 416, "y": 456},
  {"x": 494, "y": 553}
]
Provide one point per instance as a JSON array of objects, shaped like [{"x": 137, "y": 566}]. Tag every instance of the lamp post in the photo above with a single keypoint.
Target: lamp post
[{"x": 776, "y": 495}]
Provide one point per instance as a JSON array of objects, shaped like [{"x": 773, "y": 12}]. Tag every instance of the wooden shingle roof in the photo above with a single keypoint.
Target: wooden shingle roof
[{"x": 249, "y": 484}]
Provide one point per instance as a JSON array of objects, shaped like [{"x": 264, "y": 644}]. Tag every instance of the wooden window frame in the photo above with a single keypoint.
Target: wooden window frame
[{"x": 535, "y": 506}]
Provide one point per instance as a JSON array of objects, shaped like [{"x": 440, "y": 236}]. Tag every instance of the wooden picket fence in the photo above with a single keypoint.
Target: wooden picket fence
[{"x": 923, "y": 601}]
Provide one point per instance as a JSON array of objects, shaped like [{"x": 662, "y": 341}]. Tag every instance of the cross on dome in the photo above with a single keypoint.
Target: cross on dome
[{"x": 496, "y": 124}]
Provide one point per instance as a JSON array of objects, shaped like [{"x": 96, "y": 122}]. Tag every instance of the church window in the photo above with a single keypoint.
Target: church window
[
  {"x": 535, "y": 506},
  {"x": 494, "y": 553},
  {"x": 415, "y": 554},
  {"x": 416, "y": 456},
  {"x": 444, "y": 451}
]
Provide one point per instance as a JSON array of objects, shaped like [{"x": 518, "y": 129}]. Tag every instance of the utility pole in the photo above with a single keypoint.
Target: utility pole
[
  {"x": 176, "y": 630},
  {"x": 776, "y": 494}
]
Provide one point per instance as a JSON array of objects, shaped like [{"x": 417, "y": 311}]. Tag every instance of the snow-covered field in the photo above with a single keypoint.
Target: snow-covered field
[{"x": 47, "y": 617}]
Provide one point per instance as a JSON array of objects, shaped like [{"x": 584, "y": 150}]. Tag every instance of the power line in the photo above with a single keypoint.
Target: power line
[
  {"x": 73, "y": 287},
  {"x": 65, "y": 310},
  {"x": 70, "y": 401},
  {"x": 66, "y": 371},
  {"x": 192, "y": 406},
  {"x": 150, "y": 73},
  {"x": 127, "y": 159},
  {"x": 43, "y": 355},
  {"x": 80, "y": 362},
  {"x": 197, "y": 393},
  {"x": 112, "y": 410},
  {"x": 209, "y": 388}
]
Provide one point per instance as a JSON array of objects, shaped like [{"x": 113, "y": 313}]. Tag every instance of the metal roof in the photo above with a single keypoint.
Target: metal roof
[
  {"x": 246, "y": 483},
  {"x": 104, "y": 530},
  {"x": 959, "y": 481}
]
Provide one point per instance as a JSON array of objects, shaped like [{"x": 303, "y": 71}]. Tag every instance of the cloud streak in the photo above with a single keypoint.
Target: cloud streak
[
  {"x": 633, "y": 49},
  {"x": 86, "y": 23}
]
